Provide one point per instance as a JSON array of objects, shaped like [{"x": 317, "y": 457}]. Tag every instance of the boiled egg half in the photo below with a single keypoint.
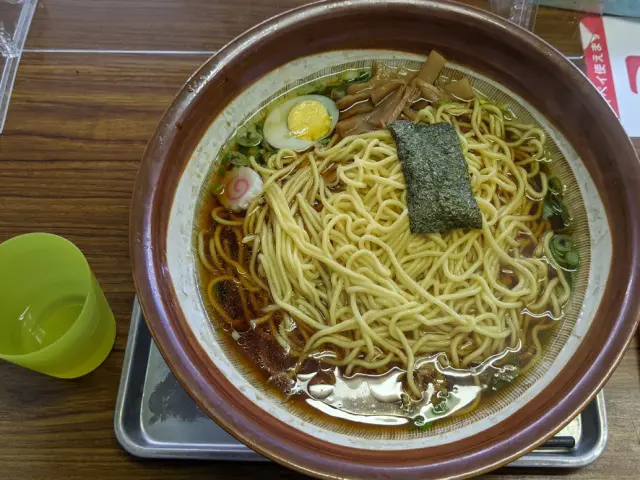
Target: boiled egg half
[{"x": 301, "y": 121}]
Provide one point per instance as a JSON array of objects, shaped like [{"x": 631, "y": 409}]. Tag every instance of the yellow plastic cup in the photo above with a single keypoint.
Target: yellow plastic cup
[{"x": 54, "y": 318}]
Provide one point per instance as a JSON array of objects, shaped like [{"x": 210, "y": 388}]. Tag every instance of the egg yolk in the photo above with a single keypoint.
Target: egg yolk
[{"x": 309, "y": 120}]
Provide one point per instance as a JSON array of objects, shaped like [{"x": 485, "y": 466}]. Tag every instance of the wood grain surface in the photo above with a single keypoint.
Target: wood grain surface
[
  {"x": 76, "y": 129},
  {"x": 201, "y": 25}
]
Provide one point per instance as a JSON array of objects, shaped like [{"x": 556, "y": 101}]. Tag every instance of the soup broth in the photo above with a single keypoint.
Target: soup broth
[{"x": 481, "y": 302}]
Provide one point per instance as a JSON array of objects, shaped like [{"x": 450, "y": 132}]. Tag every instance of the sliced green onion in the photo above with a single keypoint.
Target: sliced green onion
[
  {"x": 564, "y": 215},
  {"x": 555, "y": 186},
  {"x": 562, "y": 244},
  {"x": 547, "y": 211},
  {"x": 238, "y": 159},
  {"x": 249, "y": 136},
  {"x": 440, "y": 408},
  {"x": 364, "y": 76},
  {"x": 350, "y": 75},
  {"x": 421, "y": 423},
  {"x": 572, "y": 259},
  {"x": 564, "y": 252},
  {"x": 355, "y": 76},
  {"x": 549, "y": 207},
  {"x": 553, "y": 207}
]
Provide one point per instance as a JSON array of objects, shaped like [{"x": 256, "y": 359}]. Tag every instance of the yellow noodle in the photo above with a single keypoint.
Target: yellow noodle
[{"x": 330, "y": 243}]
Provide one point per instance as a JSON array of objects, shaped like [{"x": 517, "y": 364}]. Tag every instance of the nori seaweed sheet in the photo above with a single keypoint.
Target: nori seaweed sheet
[{"x": 439, "y": 193}]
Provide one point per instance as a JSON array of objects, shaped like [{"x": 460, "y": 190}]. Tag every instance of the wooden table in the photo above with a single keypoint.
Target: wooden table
[{"x": 93, "y": 82}]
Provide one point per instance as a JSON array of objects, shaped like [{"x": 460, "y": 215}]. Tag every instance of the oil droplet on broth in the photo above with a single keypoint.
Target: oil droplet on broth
[
  {"x": 320, "y": 392},
  {"x": 377, "y": 399},
  {"x": 389, "y": 388},
  {"x": 370, "y": 399}
]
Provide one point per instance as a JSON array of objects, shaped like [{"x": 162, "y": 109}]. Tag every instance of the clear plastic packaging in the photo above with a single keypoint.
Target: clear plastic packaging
[
  {"x": 520, "y": 12},
  {"x": 15, "y": 20}
]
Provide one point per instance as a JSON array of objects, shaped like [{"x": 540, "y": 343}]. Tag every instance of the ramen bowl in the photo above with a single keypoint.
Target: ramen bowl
[{"x": 596, "y": 162}]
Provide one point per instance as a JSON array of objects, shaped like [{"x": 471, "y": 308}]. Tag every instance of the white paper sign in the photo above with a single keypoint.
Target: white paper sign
[{"x": 612, "y": 56}]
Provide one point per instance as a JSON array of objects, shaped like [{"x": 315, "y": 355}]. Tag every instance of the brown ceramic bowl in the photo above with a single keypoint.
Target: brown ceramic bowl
[{"x": 601, "y": 169}]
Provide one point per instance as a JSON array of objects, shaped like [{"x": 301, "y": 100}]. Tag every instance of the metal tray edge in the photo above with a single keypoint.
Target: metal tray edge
[
  {"x": 538, "y": 459},
  {"x": 535, "y": 459},
  {"x": 122, "y": 435}
]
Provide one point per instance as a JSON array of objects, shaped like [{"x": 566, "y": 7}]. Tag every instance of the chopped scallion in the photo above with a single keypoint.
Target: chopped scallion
[
  {"x": 555, "y": 186},
  {"x": 553, "y": 208},
  {"x": 237, "y": 158},
  {"x": 440, "y": 408},
  {"x": 421, "y": 423},
  {"x": 564, "y": 252},
  {"x": 249, "y": 136}
]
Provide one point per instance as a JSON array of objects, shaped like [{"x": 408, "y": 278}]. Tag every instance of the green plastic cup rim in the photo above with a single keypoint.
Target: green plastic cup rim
[{"x": 87, "y": 272}]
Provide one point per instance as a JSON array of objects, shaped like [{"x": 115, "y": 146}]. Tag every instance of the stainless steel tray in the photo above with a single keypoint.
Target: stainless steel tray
[{"x": 156, "y": 418}]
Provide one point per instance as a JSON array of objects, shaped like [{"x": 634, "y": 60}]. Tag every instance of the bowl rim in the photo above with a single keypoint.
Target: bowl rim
[{"x": 217, "y": 397}]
